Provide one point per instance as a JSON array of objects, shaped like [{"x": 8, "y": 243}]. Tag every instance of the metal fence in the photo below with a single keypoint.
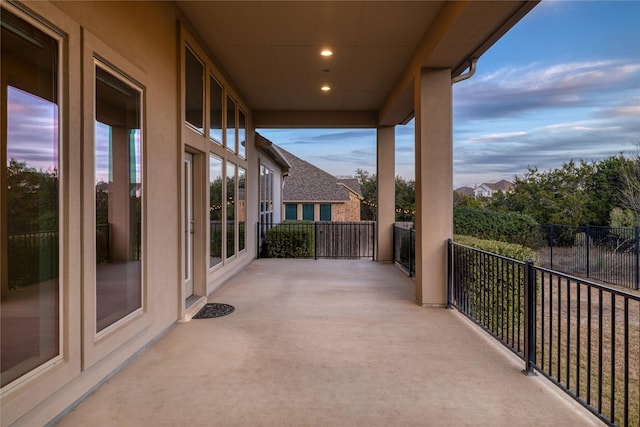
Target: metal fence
[
  {"x": 26, "y": 250},
  {"x": 320, "y": 239},
  {"x": 606, "y": 254},
  {"x": 404, "y": 247},
  {"x": 583, "y": 336}
]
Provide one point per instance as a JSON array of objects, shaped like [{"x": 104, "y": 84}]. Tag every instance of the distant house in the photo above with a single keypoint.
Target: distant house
[
  {"x": 467, "y": 191},
  {"x": 488, "y": 189},
  {"x": 309, "y": 193}
]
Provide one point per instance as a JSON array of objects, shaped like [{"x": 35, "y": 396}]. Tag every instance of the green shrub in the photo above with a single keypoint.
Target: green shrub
[
  {"x": 291, "y": 239},
  {"x": 511, "y": 227},
  {"x": 509, "y": 250},
  {"x": 493, "y": 288}
]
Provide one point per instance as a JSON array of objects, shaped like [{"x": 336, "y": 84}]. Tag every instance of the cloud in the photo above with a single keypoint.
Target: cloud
[{"x": 513, "y": 91}]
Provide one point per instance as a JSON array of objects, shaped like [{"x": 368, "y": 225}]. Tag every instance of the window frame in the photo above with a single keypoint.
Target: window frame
[{"x": 97, "y": 345}]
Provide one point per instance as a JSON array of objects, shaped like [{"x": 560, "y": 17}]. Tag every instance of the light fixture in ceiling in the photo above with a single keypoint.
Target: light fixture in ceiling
[
  {"x": 326, "y": 52},
  {"x": 325, "y": 88}
]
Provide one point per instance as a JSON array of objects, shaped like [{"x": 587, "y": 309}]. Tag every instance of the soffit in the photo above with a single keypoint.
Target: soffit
[{"x": 271, "y": 49}]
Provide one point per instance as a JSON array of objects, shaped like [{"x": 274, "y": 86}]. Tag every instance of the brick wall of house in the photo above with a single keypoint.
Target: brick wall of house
[{"x": 348, "y": 211}]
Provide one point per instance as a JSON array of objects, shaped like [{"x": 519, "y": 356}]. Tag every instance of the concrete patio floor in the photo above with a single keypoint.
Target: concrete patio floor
[{"x": 325, "y": 343}]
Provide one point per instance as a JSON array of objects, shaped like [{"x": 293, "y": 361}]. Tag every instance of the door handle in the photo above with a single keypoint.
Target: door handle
[{"x": 192, "y": 227}]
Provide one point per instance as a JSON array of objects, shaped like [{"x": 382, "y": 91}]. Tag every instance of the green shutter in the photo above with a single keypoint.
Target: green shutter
[
  {"x": 307, "y": 212},
  {"x": 291, "y": 211},
  {"x": 325, "y": 212}
]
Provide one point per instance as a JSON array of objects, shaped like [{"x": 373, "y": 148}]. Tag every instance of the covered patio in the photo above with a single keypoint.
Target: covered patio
[{"x": 325, "y": 343}]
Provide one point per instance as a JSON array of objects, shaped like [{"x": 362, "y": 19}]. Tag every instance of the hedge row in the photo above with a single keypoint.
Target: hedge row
[
  {"x": 511, "y": 227},
  {"x": 493, "y": 289},
  {"x": 291, "y": 239}
]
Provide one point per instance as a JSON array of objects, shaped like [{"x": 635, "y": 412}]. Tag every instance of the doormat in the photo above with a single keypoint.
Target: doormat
[{"x": 214, "y": 309}]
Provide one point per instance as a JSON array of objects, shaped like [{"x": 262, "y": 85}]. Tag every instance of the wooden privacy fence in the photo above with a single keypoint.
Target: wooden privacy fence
[{"x": 321, "y": 239}]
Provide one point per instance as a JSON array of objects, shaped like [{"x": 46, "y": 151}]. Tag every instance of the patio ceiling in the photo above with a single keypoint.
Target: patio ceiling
[{"x": 271, "y": 51}]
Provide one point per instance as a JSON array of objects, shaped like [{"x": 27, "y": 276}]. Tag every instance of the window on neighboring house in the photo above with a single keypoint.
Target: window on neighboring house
[
  {"x": 291, "y": 211},
  {"x": 216, "y": 203},
  {"x": 194, "y": 90},
  {"x": 118, "y": 162},
  {"x": 29, "y": 206},
  {"x": 307, "y": 212},
  {"x": 215, "y": 110},
  {"x": 266, "y": 195},
  {"x": 325, "y": 212}
]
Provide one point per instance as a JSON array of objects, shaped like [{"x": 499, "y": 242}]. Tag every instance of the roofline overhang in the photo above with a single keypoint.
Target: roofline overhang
[{"x": 272, "y": 151}]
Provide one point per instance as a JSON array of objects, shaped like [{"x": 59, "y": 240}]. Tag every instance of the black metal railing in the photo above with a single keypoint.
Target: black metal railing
[
  {"x": 103, "y": 243},
  {"x": 320, "y": 239},
  {"x": 404, "y": 247},
  {"x": 32, "y": 257},
  {"x": 583, "y": 336},
  {"x": 606, "y": 254}
]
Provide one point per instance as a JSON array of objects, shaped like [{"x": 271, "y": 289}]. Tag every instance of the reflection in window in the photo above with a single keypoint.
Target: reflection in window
[
  {"x": 241, "y": 208},
  {"x": 242, "y": 134},
  {"x": 215, "y": 210},
  {"x": 194, "y": 90},
  {"x": 118, "y": 186},
  {"x": 231, "y": 125},
  {"x": 29, "y": 307},
  {"x": 215, "y": 110},
  {"x": 231, "y": 209}
]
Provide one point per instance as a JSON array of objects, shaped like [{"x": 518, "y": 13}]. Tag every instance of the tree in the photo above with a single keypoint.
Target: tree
[
  {"x": 630, "y": 174},
  {"x": 559, "y": 196},
  {"x": 32, "y": 198},
  {"x": 369, "y": 188},
  {"x": 405, "y": 196}
]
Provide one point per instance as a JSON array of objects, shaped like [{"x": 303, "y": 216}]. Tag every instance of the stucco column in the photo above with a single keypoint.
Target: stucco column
[
  {"x": 434, "y": 183},
  {"x": 386, "y": 210}
]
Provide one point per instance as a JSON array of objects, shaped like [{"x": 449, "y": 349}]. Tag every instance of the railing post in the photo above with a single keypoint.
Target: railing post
[
  {"x": 412, "y": 251},
  {"x": 587, "y": 246},
  {"x": 551, "y": 246},
  {"x": 315, "y": 240},
  {"x": 530, "y": 318},
  {"x": 373, "y": 239},
  {"x": 449, "y": 273}
]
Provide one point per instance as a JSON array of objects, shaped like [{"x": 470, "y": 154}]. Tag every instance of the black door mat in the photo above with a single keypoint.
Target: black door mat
[{"x": 214, "y": 309}]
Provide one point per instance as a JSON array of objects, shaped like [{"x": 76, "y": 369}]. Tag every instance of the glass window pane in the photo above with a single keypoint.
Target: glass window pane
[
  {"x": 215, "y": 210},
  {"x": 215, "y": 110},
  {"x": 231, "y": 209},
  {"x": 241, "y": 208},
  {"x": 307, "y": 212},
  {"x": 194, "y": 90},
  {"x": 118, "y": 185},
  {"x": 231, "y": 125},
  {"x": 325, "y": 212},
  {"x": 242, "y": 134},
  {"x": 29, "y": 308},
  {"x": 291, "y": 211}
]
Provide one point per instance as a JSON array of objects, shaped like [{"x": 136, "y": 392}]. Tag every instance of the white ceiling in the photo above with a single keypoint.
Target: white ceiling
[{"x": 271, "y": 49}]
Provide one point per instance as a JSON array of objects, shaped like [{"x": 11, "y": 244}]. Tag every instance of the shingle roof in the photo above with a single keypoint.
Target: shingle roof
[
  {"x": 353, "y": 184},
  {"x": 468, "y": 191},
  {"x": 307, "y": 182}
]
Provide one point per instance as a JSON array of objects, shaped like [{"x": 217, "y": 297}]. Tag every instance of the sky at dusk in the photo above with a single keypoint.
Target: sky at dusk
[{"x": 563, "y": 84}]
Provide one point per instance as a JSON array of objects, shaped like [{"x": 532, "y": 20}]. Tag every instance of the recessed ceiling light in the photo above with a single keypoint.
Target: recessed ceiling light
[
  {"x": 326, "y": 52},
  {"x": 325, "y": 88}
]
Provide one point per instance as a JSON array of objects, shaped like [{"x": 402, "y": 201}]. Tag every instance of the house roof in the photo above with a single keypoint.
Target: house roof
[
  {"x": 502, "y": 185},
  {"x": 307, "y": 182},
  {"x": 272, "y": 50},
  {"x": 468, "y": 191},
  {"x": 352, "y": 184}
]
